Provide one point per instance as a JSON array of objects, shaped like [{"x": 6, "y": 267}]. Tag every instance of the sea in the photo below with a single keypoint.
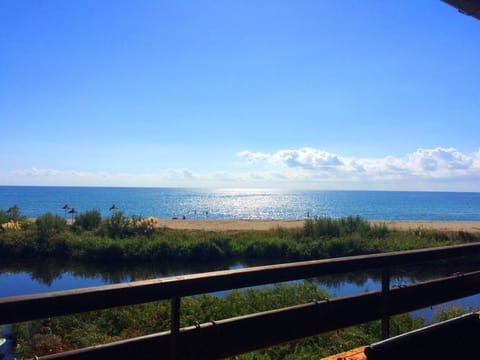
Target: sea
[
  {"x": 33, "y": 201},
  {"x": 20, "y": 279}
]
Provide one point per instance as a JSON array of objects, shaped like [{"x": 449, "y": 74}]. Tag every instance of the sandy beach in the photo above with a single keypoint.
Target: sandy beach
[
  {"x": 262, "y": 225},
  {"x": 468, "y": 226},
  {"x": 228, "y": 225}
]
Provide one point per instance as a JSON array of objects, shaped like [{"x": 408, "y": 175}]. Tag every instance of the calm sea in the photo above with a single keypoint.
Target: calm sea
[{"x": 245, "y": 203}]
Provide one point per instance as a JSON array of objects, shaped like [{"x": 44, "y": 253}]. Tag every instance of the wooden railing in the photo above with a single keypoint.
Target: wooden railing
[{"x": 228, "y": 337}]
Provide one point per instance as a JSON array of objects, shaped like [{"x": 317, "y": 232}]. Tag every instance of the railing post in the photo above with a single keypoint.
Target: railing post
[
  {"x": 174, "y": 326},
  {"x": 385, "y": 296}
]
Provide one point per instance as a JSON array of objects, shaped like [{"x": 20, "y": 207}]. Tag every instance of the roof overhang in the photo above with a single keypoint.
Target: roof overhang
[{"x": 467, "y": 7}]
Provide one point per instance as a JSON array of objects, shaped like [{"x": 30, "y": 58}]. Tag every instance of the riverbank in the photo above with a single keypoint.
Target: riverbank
[
  {"x": 121, "y": 238},
  {"x": 263, "y": 225}
]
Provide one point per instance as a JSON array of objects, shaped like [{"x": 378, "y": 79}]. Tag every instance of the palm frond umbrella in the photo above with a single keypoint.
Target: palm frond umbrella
[
  {"x": 73, "y": 212},
  {"x": 65, "y": 208}
]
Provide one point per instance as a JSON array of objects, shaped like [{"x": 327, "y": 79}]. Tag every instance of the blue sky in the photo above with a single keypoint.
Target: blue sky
[{"x": 279, "y": 94}]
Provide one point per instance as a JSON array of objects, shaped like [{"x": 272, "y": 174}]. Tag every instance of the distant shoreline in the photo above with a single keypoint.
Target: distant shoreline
[{"x": 263, "y": 225}]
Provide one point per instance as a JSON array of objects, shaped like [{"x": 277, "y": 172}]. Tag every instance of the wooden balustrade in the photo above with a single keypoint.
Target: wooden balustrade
[{"x": 228, "y": 337}]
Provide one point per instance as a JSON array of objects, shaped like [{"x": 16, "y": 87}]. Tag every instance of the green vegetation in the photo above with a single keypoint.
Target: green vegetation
[
  {"x": 4, "y": 217},
  {"x": 123, "y": 238},
  {"x": 344, "y": 227},
  {"x": 76, "y": 331},
  {"x": 48, "y": 225},
  {"x": 89, "y": 220},
  {"x": 60, "y": 334}
]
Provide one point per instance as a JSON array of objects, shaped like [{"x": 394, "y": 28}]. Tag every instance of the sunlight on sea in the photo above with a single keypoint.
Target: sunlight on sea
[
  {"x": 250, "y": 204},
  {"x": 244, "y": 203}
]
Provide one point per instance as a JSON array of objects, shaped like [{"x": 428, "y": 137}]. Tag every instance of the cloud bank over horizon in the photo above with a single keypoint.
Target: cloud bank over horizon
[
  {"x": 444, "y": 169},
  {"x": 425, "y": 163}
]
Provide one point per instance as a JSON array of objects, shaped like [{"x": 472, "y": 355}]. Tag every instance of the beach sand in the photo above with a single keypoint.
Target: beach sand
[
  {"x": 467, "y": 226},
  {"x": 262, "y": 225},
  {"x": 228, "y": 224}
]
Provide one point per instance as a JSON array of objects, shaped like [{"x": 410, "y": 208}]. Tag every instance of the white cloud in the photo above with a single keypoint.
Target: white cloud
[
  {"x": 36, "y": 176},
  {"x": 440, "y": 161},
  {"x": 307, "y": 158},
  {"x": 48, "y": 173},
  {"x": 421, "y": 165},
  {"x": 424, "y": 169},
  {"x": 253, "y": 157}
]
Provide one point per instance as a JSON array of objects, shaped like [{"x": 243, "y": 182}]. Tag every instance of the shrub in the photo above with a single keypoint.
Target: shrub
[
  {"x": 328, "y": 227},
  {"x": 13, "y": 213},
  {"x": 450, "y": 312},
  {"x": 318, "y": 227},
  {"x": 345, "y": 227},
  {"x": 49, "y": 225},
  {"x": 379, "y": 231},
  {"x": 467, "y": 237},
  {"x": 89, "y": 220},
  {"x": 118, "y": 225},
  {"x": 3, "y": 217},
  {"x": 10, "y": 226},
  {"x": 144, "y": 226}
]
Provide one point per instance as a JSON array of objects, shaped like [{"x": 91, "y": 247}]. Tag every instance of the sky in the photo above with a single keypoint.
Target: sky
[{"x": 304, "y": 94}]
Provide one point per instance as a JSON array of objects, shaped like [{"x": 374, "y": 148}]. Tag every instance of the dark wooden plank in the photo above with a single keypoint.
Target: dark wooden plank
[
  {"x": 456, "y": 338},
  {"x": 221, "y": 338},
  {"x": 30, "y": 307}
]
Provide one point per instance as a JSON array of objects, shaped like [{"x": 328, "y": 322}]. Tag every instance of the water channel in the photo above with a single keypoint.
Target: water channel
[{"x": 29, "y": 277}]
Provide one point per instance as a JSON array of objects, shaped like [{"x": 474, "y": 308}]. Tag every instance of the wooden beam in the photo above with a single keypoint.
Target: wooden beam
[
  {"x": 455, "y": 338},
  {"x": 220, "y": 339},
  {"x": 31, "y": 307}
]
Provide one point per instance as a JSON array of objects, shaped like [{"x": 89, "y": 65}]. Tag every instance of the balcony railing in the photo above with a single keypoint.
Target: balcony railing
[{"x": 229, "y": 337}]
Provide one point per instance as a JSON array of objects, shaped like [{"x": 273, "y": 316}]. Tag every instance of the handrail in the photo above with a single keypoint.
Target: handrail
[
  {"x": 37, "y": 306},
  {"x": 380, "y": 304},
  {"x": 462, "y": 334},
  {"x": 229, "y": 337}
]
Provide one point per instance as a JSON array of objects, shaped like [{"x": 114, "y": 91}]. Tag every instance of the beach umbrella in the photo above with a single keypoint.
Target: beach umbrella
[
  {"x": 65, "y": 208},
  {"x": 73, "y": 212},
  {"x": 14, "y": 208}
]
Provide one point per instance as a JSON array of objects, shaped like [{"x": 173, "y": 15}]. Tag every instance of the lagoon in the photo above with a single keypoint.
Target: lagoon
[{"x": 29, "y": 277}]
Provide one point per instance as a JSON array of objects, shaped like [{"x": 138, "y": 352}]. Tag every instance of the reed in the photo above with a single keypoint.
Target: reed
[
  {"x": 122, "y": 238},
  {"x": 58, "y": 334}
]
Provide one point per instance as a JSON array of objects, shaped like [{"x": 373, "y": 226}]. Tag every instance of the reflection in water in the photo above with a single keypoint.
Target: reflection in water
[
  {"x": 53, "y": 274},
  {"x": 399, "y": 275},
  {"x": 27, "y": 277}
]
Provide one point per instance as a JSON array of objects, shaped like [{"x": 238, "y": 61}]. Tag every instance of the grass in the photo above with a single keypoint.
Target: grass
[
  {"x": 59, "y": 334},
  {"x": 75, "y": 331},
  {"x": 117, "y": 240}
]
